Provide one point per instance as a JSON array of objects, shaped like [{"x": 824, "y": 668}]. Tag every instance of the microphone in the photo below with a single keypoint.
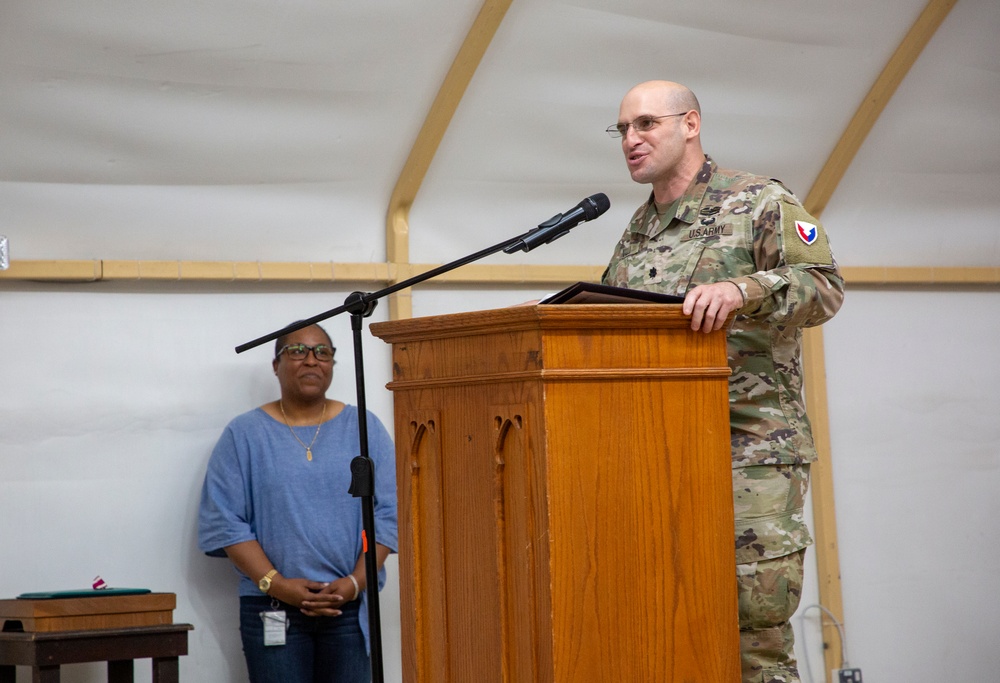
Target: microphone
[{"x": 560, "y": 224}]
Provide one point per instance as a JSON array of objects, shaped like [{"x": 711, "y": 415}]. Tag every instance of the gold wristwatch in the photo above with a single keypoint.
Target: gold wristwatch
[{"x": 265, "y": 581}]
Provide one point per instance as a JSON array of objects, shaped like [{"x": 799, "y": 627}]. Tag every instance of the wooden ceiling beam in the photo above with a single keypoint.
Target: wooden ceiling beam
[
  {"x": 425, "y": 146},
  {"x": 381, "y": 274}
]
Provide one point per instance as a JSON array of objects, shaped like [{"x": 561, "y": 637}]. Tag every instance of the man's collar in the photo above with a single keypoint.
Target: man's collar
[{"x": 690, "y": 203}]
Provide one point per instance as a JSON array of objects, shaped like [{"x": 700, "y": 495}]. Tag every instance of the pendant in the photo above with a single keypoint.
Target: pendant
[{"x": 309, "y": 454}]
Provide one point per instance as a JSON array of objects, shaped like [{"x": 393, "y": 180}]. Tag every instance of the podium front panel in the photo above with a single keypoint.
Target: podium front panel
[{"x": 565, "y": 496}]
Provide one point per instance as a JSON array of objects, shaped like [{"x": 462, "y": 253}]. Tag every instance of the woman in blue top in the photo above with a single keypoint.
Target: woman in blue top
[{"x": 275, "y": 502}]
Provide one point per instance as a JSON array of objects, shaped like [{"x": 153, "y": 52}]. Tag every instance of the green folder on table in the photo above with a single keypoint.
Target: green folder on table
[{"x": 82, "y": 593}]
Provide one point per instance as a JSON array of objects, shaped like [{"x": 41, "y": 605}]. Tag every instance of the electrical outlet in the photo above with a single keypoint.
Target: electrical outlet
[{"x": 846, "y": 676}]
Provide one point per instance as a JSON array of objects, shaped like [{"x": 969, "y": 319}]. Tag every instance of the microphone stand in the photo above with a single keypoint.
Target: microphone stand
[{"x": 361, "y": 305}]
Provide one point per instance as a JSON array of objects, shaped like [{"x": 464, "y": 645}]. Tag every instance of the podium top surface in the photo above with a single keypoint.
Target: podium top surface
[{"x": 537, "y": 316}]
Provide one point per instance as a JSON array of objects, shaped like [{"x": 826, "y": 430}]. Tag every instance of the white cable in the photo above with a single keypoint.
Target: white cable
[{"x": 840, "y": 632}]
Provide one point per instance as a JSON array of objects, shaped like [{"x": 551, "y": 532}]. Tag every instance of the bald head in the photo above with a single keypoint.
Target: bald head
[{"x": 673, "y": 96}]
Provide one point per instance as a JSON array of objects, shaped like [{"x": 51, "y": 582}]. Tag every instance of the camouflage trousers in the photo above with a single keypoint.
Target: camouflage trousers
[{"x": 771, "y": 537}]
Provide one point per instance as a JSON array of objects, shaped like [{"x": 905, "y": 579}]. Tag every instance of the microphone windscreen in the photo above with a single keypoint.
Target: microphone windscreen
[{"x": 595, "y": 205}]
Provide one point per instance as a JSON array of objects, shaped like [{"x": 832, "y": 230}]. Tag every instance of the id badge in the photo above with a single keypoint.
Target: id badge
[{"x": 275, "y": 626}]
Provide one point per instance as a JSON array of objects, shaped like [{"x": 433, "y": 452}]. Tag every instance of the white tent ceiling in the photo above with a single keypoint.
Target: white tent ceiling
[{"x": 276, "y": 131}]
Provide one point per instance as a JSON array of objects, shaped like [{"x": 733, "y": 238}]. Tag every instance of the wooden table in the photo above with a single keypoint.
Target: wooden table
[{"x": 45, "y": 652}]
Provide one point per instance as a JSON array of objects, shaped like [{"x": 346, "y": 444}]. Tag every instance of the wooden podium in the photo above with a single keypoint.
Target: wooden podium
[{"x": 565, "y": 496}]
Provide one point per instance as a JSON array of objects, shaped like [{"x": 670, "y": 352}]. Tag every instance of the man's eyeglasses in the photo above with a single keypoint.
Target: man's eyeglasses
[
  {"x": 321, "y": 352},
  {"x": 640, "y": 124}
]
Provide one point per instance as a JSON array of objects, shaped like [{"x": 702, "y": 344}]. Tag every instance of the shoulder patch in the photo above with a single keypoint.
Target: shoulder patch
[
  {"x": 804, "y": 238},
  {"x": 807, "y": 231}
]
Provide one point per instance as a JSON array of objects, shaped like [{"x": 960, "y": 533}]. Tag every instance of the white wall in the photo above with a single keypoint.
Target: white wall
[
  {"x": 112, "y": 400},
  {"x": 114, "y": 396},
  {"x": 915, "y": 421}
]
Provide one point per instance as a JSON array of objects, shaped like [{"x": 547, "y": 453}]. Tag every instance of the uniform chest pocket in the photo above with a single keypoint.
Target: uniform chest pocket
[{"x": 662, "y": 268}]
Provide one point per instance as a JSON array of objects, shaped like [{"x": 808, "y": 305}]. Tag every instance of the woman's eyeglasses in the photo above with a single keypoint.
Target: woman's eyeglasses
[{"x": 321, "y": 352}]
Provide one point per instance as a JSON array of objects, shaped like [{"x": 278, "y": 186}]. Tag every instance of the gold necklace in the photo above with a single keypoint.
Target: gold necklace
[{"x": 309, "y": 453}]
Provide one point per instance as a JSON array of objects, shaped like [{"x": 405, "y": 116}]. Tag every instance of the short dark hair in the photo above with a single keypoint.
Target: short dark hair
[{"x": 280, "y": 342}]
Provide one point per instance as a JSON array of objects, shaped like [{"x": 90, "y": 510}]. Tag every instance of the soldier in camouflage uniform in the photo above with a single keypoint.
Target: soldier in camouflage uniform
[{"x": 730, "y": 241}]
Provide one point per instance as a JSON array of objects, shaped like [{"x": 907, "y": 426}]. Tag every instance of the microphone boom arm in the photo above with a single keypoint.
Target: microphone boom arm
[{"x": 365, "y": 302}]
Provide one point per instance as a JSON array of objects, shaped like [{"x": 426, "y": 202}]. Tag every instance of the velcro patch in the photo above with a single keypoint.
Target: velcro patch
[{"x": 804, "y": 239}]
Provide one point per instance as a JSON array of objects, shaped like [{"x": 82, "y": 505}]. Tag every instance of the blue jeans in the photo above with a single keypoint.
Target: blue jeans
[{"x": 316, "y": 649}]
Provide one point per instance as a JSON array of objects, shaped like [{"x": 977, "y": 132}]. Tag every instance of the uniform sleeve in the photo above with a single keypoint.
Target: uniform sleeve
[
  {"x": 798, "y": 282},
  {"x": 225, "y": 512},
  {"x": 383, "y": 454}
]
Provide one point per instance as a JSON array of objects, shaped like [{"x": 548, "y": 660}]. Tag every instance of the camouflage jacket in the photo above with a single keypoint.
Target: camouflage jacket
[{"x": 752, "y": 231}]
